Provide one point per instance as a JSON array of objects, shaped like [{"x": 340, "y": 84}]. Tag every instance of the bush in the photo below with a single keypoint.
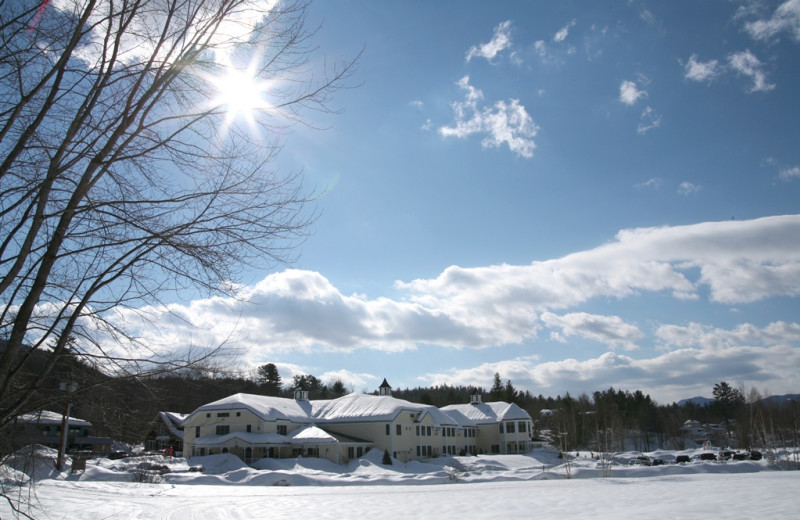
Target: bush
[{"x": 387, "y": 460}]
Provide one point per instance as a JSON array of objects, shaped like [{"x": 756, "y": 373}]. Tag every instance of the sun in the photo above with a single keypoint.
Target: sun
[{"x": 240, "y": 94}]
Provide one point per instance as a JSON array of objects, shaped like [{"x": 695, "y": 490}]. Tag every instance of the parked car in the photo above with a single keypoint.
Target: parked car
[
  {"x": 682, "y": 458},
  {"x": 117, "y": 454},
  {"x": 708, "y": 456}
]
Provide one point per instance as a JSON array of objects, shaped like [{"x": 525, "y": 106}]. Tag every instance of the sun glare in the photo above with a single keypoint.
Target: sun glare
[{"x": 240, "y": 94}]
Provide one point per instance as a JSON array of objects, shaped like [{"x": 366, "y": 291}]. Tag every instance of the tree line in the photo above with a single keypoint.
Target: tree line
[{"x": 604, "y": 421}]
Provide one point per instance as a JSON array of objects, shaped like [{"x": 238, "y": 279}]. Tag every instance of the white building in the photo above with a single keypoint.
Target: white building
[{"x": 255, "y": 426}]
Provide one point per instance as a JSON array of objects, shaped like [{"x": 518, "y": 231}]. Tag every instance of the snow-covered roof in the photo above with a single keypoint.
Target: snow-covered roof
[
  {"x": 363, "y": 407},
  {"x": 460, "y": 419},
  {"x": 48, "y": 417},
  {"x": 483, "y": 413},
  {"x": 439, "y": 417},
  {"x": 176, "y": 417},
  {"x": 246, "y": 437},
  {"x": 266, "y": 407},
  {"x": 311, "y": 434},
  {"x": 315, "y": 435},
  {"x": 173, "y": 421}
]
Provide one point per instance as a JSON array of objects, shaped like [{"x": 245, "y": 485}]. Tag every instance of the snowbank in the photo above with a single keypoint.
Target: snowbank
[{"x": 38, "y": 464}]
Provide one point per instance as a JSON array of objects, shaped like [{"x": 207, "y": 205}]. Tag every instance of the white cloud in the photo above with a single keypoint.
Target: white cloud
[
  {"x": 298, "y": 311},
  {"x": 701, "y": 70},
  {"x": 610, "y": 330},
  {"x": 790, "y": 174},
  {"x": 778, "y": 333},
  {"x": 350, "y": 379},
  {"x": 505, "y": 122},
  {"x": 743, "y": 63},
  {"x": 144, "y": 29},
  {"x": 648, "y": 120},
  {"x": 629, "y": 93},
  {"x": 667, "y": 377},
  {"x": 500, "y": 41},
  {"x": 517, "y": 370},
  {"x": 687, "y": 188},
  {"x": 562, "y": 33},
  {"x": 648, "y": 17},
  {"x": 652, "y": 183},
  {"x": 747, "y": 64},
  {"x": 739, "y": 262},
  {"x": 785, "y": 18}
]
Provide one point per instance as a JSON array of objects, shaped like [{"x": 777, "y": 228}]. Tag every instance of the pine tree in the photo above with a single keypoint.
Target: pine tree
[
  {"x": 269, "y": 379},
  {"x": 496, "y": 393}
]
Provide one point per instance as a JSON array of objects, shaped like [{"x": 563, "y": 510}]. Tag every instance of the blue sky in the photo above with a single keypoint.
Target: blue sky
[{"x": 574, "y": 194}]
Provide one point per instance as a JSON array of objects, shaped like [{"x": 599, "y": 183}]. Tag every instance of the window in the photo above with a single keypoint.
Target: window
[
  {"x": 510, "y": 427},
  {"x": 281, "y": 429},
  {"x": 223, "y": 429},
  {"x": 523, "y": 426},
  {"x": 249, "y": 428},
  {"x": 388, "y": 430},
  {"x": 501, "y": 427},
  {"x": 399, "y": 429},
  {"x": 429, "y": 431},
  {"x": 238, "y": 414},
  {"x": 196, "y": 431},
  {"x": 223, "y": 414},
  {"x": 208, "y": 415}
]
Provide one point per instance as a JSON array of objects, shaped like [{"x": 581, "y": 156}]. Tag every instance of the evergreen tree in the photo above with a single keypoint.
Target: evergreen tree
[
  {"x": 497, "y": 391},
  {"x": 338, "y": 389},
  {"x": 727, "y": 401},
  {"x": 269, "y": 379}
]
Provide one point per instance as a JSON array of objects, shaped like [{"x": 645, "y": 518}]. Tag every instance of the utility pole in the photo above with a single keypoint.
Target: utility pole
[{"x": 69, "y": 388}]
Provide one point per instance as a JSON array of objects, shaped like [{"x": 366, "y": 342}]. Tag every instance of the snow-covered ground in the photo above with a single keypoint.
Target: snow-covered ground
[{"x": 499, "y": 486}]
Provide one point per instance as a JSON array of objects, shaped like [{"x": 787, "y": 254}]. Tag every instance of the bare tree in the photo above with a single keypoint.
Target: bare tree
[{"x": 125, "y": 176}]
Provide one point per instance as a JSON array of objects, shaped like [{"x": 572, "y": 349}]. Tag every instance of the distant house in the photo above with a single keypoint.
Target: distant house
[
  {"x": 166, "y": 431},
  {"x": 256, "y": 426},
  {"x": 44, "y": 427}
]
